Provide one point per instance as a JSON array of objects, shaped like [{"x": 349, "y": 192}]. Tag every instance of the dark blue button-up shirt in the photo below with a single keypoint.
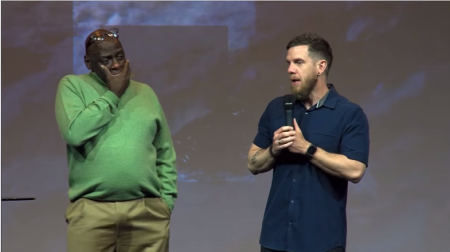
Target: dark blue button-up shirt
[{"x": 306, "y": 208}]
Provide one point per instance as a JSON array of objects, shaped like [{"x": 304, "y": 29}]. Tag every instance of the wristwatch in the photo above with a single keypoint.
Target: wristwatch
[{"x": 311, "y": 150}]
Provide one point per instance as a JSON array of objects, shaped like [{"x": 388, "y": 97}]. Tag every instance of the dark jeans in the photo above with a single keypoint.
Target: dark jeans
[{"x": 338, "y": 249}]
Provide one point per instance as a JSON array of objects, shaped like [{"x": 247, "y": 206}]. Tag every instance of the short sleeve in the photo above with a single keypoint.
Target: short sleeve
[
  {"x": 263, "y": 138},
  {"x": 355, "y": 141}
]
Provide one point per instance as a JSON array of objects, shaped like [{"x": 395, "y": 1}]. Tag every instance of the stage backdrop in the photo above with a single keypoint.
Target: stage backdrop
[{"x": 215, "y": 66}]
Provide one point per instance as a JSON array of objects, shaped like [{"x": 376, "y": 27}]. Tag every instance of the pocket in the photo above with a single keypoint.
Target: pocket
[
  {"x": 157, "y": 209},
  {"x": 326, "y": 140},
  {"x": 165, "y": 207},
  {"x": 74, "y": 210}
]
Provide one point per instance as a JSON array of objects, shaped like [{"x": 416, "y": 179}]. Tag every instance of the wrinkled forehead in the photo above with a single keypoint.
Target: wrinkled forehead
[{"x": 107, "y": 47}]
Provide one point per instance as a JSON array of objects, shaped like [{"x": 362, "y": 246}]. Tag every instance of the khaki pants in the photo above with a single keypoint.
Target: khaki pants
[{"x": 131, "y": 226}]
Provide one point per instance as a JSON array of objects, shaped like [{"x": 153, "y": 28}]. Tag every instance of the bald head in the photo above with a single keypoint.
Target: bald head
[{"x": 104, "y": 48}]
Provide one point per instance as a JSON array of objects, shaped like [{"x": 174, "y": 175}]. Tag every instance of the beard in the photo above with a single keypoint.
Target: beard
[{"x": 303, "y": 91}]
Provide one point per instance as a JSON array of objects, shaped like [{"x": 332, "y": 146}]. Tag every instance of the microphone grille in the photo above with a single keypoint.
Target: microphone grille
[{"x": 289, "y": 99}]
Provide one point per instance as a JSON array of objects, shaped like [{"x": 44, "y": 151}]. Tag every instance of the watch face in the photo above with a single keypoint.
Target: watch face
[{"x": 311, "y": 150}]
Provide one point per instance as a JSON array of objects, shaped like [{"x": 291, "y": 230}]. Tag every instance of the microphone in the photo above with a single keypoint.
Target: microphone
[{"x": 289, "y": 101}]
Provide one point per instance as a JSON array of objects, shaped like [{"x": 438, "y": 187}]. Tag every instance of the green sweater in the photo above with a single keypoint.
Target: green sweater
[{"x": 117, "y": 149}]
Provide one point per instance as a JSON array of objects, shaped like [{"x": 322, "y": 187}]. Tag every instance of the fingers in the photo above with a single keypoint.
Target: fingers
[
  {"x": 286, "y": 145},
  {"x": 105, "y": 70},
  {"x": 285, "y": 141},
  {"x": 296, "y": 127},
  {"x": 126, "y": 69},
  {"x": 283, "y": 135},
  {"x": 282, "y": 141},
  {"x": 283, "y": 145},
  {"x": 284, "y": 128}
]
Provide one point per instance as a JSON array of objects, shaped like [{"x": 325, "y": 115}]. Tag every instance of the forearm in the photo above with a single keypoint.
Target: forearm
[
  {"x": 260, "y": 161},
  {"x": 86, "y": 125},
  {"x": 168, "y": 177},
  {"x": 166, "y": 161},
  {"x": 338, "y": 165},
  {"x": 77, "y": 123},
  {"x": 167, "y": 173}
]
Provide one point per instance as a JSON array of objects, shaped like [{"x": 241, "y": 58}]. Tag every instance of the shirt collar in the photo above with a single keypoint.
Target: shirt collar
[
  {"x": 331, "y": 98},
  {"x": 322, "y": 100}
]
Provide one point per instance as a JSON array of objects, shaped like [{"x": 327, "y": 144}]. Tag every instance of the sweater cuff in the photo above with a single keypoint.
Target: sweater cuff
[
  {"x": 169, "y": 201},
  {"x": 111, "y": 98}
]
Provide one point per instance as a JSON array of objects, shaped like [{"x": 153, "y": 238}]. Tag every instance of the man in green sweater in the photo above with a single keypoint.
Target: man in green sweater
[{"x": 122, "y": 179}]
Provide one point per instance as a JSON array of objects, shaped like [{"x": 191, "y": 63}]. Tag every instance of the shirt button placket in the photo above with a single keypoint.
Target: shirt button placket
[{"x": 291, "y": 203}]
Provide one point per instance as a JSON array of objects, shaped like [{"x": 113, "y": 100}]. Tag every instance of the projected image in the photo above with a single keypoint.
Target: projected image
[{"x": 215, "y": 66}]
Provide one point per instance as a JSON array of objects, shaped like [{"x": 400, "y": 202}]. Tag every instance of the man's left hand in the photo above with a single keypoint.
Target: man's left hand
[{"x": 300, "y": 144}]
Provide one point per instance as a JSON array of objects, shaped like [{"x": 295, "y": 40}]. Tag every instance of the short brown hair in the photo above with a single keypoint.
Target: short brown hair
[{"x": 317, "y": 46}]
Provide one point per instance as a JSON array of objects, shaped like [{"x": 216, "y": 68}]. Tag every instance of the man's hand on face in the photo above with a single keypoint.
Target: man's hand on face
[{"x": 118, "y": 83}]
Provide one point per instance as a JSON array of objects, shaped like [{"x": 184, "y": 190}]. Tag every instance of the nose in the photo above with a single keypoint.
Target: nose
[
  {"x": 115, "y": 64},
  {"x": 291, "y": 69}
]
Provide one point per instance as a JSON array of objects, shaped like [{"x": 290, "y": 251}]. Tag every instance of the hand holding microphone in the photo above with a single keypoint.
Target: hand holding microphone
[
  {"x": 284, "y": 137},
  {"x": 298, "y": 144}
]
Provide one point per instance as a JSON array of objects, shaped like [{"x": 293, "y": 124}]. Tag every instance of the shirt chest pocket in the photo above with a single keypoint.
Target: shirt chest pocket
[{"x": 329, "y": 141}]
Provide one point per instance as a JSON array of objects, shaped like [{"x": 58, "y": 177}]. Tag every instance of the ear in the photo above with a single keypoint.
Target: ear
[
  {"x": 87, "y": 62},
  {"x": 321, "y": 65}
]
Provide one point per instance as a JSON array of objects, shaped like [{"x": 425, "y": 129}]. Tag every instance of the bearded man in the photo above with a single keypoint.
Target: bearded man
[{"x": 312, "y": 161}]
